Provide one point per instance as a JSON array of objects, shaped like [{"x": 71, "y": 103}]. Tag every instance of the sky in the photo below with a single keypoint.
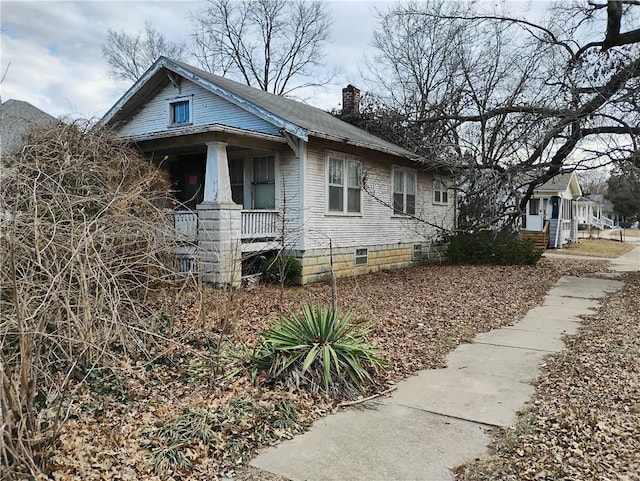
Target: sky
[{"x": 51, "y": 51}]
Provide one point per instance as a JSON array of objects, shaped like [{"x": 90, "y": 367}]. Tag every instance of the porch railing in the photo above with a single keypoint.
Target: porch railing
[
  {"x": 259, "y": 224},
  {"x": 255, "y": 224},
  {"x": 185, "y": 223},
  {"x": 602, "y": 222}
]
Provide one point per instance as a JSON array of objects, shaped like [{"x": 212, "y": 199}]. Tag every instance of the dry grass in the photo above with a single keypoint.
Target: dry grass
[
  {"x": 598, "y": 248},
  {"x": 627, "y": 232}
]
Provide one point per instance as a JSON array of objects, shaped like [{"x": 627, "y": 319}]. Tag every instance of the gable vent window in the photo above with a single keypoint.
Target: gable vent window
[
  {"x": 180, "y": 112},
  {"x": 362, "y": 257}
]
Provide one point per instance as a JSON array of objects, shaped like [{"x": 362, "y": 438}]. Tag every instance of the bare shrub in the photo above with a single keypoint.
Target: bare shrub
[{"x": 84, "y": 247}]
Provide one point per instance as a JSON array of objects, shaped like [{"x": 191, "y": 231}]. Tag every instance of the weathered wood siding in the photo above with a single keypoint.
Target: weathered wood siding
[
  {"x": 376, "y": 225},
  {"x": 206, "y": 109},
  {"x": 288, "y": 198}
]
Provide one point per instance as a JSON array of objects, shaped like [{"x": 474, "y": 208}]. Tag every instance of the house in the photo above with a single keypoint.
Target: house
[
  {"x": 255, "y": 172},
  {"x": 553, "y": 202},
  {"x": 17, "y": 117},
  {"x": 590, "y": 212}
]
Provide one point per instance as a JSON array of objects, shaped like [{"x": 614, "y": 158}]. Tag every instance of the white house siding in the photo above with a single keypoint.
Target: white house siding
[
  {"x": 206, "y": 108},
  {"x": 376, "y": 225},
  {"x": 288, "y": 197}
]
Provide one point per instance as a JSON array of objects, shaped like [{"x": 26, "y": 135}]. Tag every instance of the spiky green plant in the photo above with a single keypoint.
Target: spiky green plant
[{"x": 322, "y": 348}]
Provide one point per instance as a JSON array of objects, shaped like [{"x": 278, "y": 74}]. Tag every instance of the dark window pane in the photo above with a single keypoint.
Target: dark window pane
[
  {"x": 335, "y": 199},
  {"x": 237, "y": 194},
  {"x": 411, "y": 204},
  {"x": 353, "y": 200},
  {"x": 398, "y": 201}
]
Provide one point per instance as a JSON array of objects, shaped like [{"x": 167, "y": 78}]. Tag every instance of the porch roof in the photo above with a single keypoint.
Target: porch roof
[{"x": 291, "y": 116}]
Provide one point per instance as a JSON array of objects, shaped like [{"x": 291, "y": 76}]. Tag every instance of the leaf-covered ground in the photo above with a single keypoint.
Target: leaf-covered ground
[
  {"x": 194, "y": 411},
  {"x": 584, "y": 420}
]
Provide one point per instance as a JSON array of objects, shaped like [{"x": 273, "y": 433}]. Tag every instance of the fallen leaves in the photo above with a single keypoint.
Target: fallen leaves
[
  {"x": 119, "y": 426},
  {"x": 584, "y": 420}
]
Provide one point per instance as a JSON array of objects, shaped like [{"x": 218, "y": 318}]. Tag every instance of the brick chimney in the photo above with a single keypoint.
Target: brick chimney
[{"x": 350, "y": 101}]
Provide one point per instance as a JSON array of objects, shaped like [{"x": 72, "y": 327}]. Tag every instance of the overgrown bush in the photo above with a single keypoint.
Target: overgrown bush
[
  {"x": 491, "y": 247},
  {"x": 83, "y": 248},
  {"x": 322, "y": 349},
  {"x": 276, "y": 268}
]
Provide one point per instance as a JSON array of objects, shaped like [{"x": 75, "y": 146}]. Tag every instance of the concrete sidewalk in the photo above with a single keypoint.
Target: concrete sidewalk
[{"x": 439, "y": 419}]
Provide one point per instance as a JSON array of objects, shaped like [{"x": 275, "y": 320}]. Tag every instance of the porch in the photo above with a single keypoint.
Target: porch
[{"x": 259, "y": 232}]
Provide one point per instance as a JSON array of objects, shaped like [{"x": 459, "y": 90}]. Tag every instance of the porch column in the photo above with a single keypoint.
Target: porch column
[
  {"x": 217, "y": 185},
  {"x": 219, "y": 236}
]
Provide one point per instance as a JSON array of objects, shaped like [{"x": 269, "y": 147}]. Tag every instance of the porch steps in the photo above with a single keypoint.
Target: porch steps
[{"x": 540, "y": 238}]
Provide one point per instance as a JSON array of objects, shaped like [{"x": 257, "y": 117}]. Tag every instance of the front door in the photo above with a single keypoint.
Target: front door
[{"x": 535, "y": 219}]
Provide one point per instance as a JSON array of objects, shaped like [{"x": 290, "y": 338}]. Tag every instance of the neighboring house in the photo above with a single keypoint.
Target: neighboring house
[
  {"x": 553, "y": 201},
  {"x": 17, "y": 118},
  {"x": 256, "y": 172},
  {"x": 590, "y": 212}
]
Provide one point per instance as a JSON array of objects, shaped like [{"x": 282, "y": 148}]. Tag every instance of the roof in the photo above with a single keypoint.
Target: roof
[
  {"x": 17, "y": 117},
  {"x": 558, "y": 183},
  {"x": 292, "y": 116}
]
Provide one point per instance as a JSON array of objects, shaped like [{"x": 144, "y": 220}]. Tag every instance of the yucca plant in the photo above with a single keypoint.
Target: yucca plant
[{"x": 321, "y": 348}]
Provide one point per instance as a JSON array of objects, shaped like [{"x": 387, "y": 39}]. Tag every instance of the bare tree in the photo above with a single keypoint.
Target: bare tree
[
  {"x": 274, "y": 45},
  {"x": 129, "y": 56},
  {"x": 508, "y": 102},
  {"x": 593, "y": 181}
]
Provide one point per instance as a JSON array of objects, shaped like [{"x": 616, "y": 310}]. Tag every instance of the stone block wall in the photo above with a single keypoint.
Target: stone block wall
[
  {"x": 219, "y": 237},
  {"x": 316, "y": 263}
]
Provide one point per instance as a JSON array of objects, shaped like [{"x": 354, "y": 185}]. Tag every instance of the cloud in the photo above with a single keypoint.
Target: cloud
[{"x": 54, "y": 49}]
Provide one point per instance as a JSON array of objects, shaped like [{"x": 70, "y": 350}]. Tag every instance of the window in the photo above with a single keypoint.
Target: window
[
  {"x": 344, "y": 185},
  {"x": 361, "y": 257},
  {"x": 404, "y": 191},
  {"x": 264, "y": 182},
  {"x": 534, "y": 206},
  {"x": 417, "y": 252},
  {"x": 440, "y": 194},
  {"x": 180, "y": 112}
]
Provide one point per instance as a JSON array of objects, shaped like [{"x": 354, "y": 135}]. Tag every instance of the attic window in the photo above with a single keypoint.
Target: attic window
[{"x": 180, "y": 112}]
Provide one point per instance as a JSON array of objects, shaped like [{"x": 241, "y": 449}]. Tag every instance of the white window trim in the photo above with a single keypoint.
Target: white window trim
[
  {"x": 416, "y": 252},
  {"x": 404, "y": 170},
  {"x": 345, "y": 190},
  {"x": 445, "y": 189},
  {"x": 170, "y": 104}
]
